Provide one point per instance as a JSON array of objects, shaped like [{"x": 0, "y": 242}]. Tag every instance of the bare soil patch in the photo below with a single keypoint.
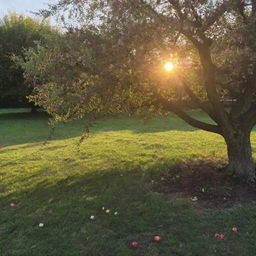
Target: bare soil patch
[{"x": 205, "y": 184}]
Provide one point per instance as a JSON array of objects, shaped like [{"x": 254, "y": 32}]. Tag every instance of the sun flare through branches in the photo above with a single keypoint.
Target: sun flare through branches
[{"x": 169, "y": 66}]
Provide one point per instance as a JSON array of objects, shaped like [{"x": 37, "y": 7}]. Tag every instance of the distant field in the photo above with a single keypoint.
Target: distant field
[{"x": 62, "y": 186}]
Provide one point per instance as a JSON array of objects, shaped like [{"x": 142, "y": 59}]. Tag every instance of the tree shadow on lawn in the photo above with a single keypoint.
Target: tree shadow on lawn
[
  {"x": 205, "y": 184},
  {"x": 65, "y": 206},
  {"x": 23, "y": 116},
  {"x": 22, "y": 128}
]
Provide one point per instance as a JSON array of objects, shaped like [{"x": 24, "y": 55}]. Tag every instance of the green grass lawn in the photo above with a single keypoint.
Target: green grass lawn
[{"x": 61, "y": 186}]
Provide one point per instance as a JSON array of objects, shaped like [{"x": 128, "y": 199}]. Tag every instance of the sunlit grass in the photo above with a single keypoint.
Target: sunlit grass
[{"x": 76, "y": 182}]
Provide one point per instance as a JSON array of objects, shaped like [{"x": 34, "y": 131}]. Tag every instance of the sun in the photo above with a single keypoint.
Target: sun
[{"x": 169, "y": 66}]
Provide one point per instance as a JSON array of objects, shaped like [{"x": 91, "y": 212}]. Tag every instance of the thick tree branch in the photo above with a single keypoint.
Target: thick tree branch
[
  {"x": 194, "y": 122},
  {"x": 211, "y": 88},
  {"x": 197, "y": 101},
  {"x": 170, "y": 106}
]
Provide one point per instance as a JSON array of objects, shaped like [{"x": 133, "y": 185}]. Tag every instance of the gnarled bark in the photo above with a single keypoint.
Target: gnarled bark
[{"x": 240, "y": 156}]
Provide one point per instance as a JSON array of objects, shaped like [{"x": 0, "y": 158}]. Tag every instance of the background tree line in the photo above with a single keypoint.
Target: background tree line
[{"x": 18, "y": 33}]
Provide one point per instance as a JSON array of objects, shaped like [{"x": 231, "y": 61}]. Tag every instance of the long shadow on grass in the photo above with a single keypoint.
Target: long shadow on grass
[
  {"x": 65, "y": 208},
  {"x": 21, "y": 128}
]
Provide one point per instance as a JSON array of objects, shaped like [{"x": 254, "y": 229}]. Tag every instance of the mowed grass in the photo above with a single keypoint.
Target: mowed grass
[{"x": 61, "y": 186}]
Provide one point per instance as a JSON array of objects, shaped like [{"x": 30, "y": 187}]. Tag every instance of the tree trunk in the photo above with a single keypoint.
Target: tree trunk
[
  {"x": 240, "y": 156},
  {"x": 33, "y": 109}
]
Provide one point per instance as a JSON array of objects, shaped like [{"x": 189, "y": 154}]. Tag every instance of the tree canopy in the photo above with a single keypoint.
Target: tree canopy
[{"x": 112, "y": 60}]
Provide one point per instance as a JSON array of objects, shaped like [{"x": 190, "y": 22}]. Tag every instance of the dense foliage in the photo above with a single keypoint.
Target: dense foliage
[{"x": 18, "y": 33}]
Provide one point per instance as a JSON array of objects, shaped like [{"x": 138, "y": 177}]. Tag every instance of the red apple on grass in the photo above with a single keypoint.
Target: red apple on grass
[
  {"x": 134, "y": 244},
  {"x": 157, "y": 239}
]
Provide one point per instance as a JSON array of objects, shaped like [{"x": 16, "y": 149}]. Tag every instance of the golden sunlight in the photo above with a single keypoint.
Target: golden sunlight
[{"x": 169, "y": 66}]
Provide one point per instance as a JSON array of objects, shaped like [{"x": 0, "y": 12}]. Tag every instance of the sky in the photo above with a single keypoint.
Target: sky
[{"x": 22, "y": 6}]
